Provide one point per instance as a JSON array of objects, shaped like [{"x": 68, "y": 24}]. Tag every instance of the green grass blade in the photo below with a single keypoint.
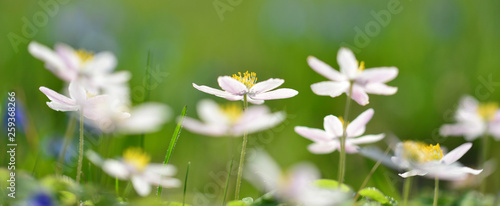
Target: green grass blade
[
  {"x": 173, "y": 141},
  {"x": 185, "y": 184},
  {"x": 227, "y": 182}
]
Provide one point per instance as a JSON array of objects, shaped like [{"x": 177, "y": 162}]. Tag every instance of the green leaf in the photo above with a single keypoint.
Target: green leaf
[
  {"x": 176, "y": 204},
  {"x": 173, "y": 141},
  {"x": 236, "y": 203},
  {"x": 331, "y": 185},
  {"x": 374, "y": 194}
]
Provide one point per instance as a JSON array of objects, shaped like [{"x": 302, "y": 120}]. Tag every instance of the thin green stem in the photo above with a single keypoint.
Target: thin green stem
[
  {"x": 227, "y": 182},
  {"x": 436, "y": 192},
  {"x": 117, "y": 186},
  {"x": 342, "y": 160},
  {"x": 483, "y": 158},
  {"x": 406, "y": 190},
  {"x": 185, "y": 184},
  {"x": 67, "y": 140},
  {"x": 242, "y": 156},
  {"x": 374, "y": 168},
  {"x": 80, "y": 149}
]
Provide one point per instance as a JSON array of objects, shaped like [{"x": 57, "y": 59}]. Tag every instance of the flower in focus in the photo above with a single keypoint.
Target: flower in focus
[
  {"x": 237, "y": 86},
  {"x": 93, "y": 71},
  {"x": 231, "y": 120},
  {"x": 80, "y": 99},
  {"x": 295, "y": 186},
  {"x": 135, "y": 166},
  {"x": 328, "y": 140},
  {"x": 353, "y": 79},
  {"x": 430, "y": 161},
  {"x": 474, "y": 119}
]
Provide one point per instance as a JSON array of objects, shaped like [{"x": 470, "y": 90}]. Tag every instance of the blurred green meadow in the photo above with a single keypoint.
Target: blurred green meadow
[{"x": 443, "y": 50}]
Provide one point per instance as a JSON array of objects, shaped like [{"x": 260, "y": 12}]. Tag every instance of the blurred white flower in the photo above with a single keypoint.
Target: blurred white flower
[
  {"x": 352, "y": 73},
  {"x": 231, "y": 120},
  {"x": 80, "y": 99},
  {"x": 295, "y": 186},
  {"x": 474, "y": 120},
  {"x": 328, "y": 140},
  {"x": 94, "y": 72},
  {"x": 116, "y": 116},
  {"x": 237, "y": 86},
  {"x": 420, "y": 159},
  {"x": 135, "y": 166}
]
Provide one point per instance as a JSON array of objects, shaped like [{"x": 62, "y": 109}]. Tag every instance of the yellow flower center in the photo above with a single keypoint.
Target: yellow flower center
[
  {"x": 487, "y": 110},
  {"x": 420, "y": 152},
  {"x": 233, "y": 111},
  {"x": 137, "y": 158},
  {"x": 248, "y": 79},
  {"x": 84, "y": 55},
  {"x": 361, "y": 66}
]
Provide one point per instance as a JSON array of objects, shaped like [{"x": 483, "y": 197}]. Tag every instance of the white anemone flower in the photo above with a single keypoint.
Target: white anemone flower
[
  {"x": 80, "y": 100},
  {"x": 420, "y": 159},
  {"x": 474, "y": 119},
  {"x": 295, "y": 186},
  {"x": 116, "y": 116},
  {"x": 135, "y": 166},
  {"x": 231, "y": 120},
  {"x": 93, "y": 71},
  {"x": 237, "y": 86},
  {"x": 328, "y": 140},
  {"x": 354, "y": 76}
]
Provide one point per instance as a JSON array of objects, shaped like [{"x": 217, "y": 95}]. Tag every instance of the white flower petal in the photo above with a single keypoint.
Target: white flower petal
[
  {"x": 147, "y": 117},
  {"x": 59, "y": 101},
  {"x": 93, "y": 106},
  {"x": 366, "y": 139},
  {"x": 313, "y": 134},
  {"x": 323, "y": 147},
  {"x": 350, "y": 148},
  {"x": 210, "y": 112},
  {"x": 456, "y": 154},
  {"x": 275, "y": 94},
  {"x": 161, "y": 169},
  {"x": 71, "y": 59},
  {"x": 214, "y": 130},
  {"x": 380, "y": 89},
  {"x": 413, "y": 173},
  {"x": 115, "y": 168},
  {"x": 232, "y": 85},
  {"x": 141, "y": 186},
  {"x": 333, "y": 126},
  {"x": 378, "y": 75},
  {"x": 328, "y": 88},
  {"x": 267, "y": 85},
  {"x": 219, "y": 93},
  {"x": 52, "y": 60},
  {"x": 262, "y": 171},
  {"x": 357, "y": 126},
  {"x": 359, "y": 95},
  {"x": 468, "y": 130},
  {"x": 103, "y": 62},
  {"x": 347, "y": 62},
  {"x": 325, "y": 69},
  {"x": 254, "y": 101},
  {"x": 260, "y": 123},
  {"x": 494, "y": 128}
]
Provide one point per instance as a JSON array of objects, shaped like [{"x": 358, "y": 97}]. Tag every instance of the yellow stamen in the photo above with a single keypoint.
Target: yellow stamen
[
  {"x": 487, "y": 110},
  {"x": 361, "y": 66},
  {"x": 420, "y": 152},
  {"x": 137, "y": 158},
  {"x": 248, "y": 79},
  {"x": 85, "y": 55},
  {"x": 233, "y": 111},
  {"x": 342, "y": 121}
]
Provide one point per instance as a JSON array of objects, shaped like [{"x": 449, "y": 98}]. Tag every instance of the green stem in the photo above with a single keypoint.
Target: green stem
[
  {"x": 80, "y": 149},
  {"x": 406, "y": 190},
  {"x": 67, "y": 140},
  {"x": 483, "y": 158},
  {"x": 342, "y": 160},
  {"x": 117, "y": 186},
  {"x": 243, "y": 151},
  {"x": 436, "y": 191},
  {"x": 374, "y": 168},
  {"x": 227, "y": 182},
  {"x": 185, "y": 184}
]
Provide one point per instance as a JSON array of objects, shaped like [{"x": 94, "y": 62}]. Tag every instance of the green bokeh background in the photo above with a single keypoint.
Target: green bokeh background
[{"x": 443, "y": 49}]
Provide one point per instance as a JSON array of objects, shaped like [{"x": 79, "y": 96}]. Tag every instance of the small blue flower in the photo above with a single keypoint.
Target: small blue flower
[{"x": 41, "y": 199}]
